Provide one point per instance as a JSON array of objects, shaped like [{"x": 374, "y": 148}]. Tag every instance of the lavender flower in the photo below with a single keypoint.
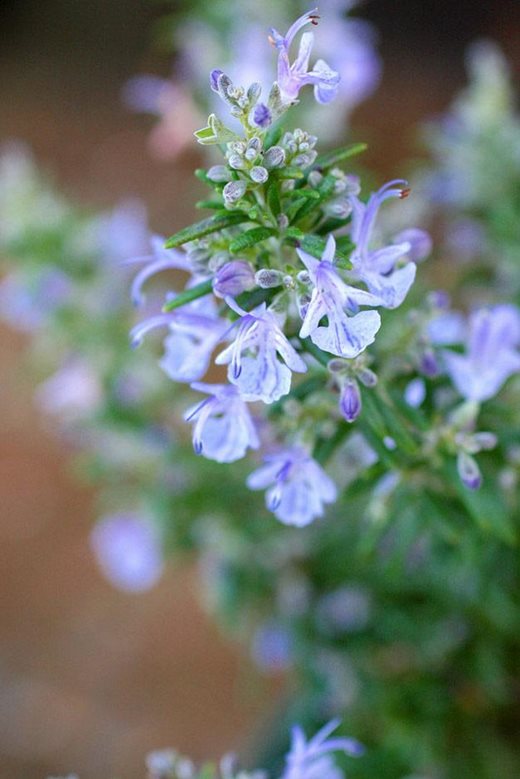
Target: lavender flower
[
  {"x": 159, "y": 260},
  {"x": 292, "y": 77},
  {"x": 376, "y": 267},
  {"x": 344, "y": 335},
  {"x": 312, "y": 760},
  {"x": 128, "y": 551},
  {"x": 300, "y": 486},
  {"x": 492, "y": 354},
  {"x": 253, "y": 361},
  {"x": 194, "y": 331},
  {"x": 223, "y": 428}
]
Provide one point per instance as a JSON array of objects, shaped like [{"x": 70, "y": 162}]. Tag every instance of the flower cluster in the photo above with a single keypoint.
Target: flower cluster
[{"x": 287, "y": 276}]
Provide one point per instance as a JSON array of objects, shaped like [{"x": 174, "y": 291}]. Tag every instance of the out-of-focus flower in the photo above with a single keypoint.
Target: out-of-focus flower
[
  {"x": 312, "y": 759},
  {"x": 492, "y": 354},
  {"x": 73, "y": 391},
  {"x": 223, "y": 429},
  {"x": 179, "y": 117},
  {"x": 298, "y": 486},
  {"x": 128, "y": 550},
  {"x": 377, "y": 267}
]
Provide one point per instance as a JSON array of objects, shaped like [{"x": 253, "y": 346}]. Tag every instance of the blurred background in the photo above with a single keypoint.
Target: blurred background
[{"x": 91, "y": 679}]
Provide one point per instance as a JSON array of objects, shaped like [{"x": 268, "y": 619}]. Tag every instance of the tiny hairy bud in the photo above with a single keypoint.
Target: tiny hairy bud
[
  {"x": 274, "y": 157},
  {"x": 219, "y": 173},
  {"x": 350, "y": 401},
  {"x": 259, "y": 174},
  {"x": 268, "y": 277},
  {"x": 234, "y": 190}
]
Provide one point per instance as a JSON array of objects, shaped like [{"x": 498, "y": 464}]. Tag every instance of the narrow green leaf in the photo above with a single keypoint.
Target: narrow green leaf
[
  {"x": 331, "y": 158},
  {"x": 250, "y": 238},
  {"x": 198, "y": 291},
  {"x": 273, "y": 136},
  {"x": 324, "y": 191},
  {"x": 207, "y": 226},
  {"x": 273, "y": 199},
  {"x": 289, "y": 172},
  {"x": 294, "y": 234}
]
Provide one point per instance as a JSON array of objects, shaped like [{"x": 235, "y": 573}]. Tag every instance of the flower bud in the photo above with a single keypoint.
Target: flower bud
[
  {"x": 233, "y": 278},
  {"x": 259, "y": 174},
  {"x": 268, "y": 277},
  {"x": 219, "y": 173},
  {"x": 236, "y": 162},
  {"x": 213, "y": 79},
  {"x": 469, "y": 471},
  {"x": 428, "y": 364},
  {"x": 350, "y": 401},
  {"x": 485, "y": 441},
  {"x": 234, "y": 190},
  {"x": 253, "y": 93},
  {"x": 262, "y": 116},
  {"x": 274, "y": 157},
  {"x": 367, "y": 377}
]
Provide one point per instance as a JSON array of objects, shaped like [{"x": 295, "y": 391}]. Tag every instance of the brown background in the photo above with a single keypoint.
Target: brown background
[{"x": 91, "y": 679}]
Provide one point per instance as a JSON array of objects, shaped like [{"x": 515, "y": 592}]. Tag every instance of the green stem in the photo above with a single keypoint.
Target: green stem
[{"x": 198, "y": 291}]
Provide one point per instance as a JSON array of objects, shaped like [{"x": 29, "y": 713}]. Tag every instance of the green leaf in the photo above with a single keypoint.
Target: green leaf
[
  {"x": 250, "y": 238},
  {"x": 273, "y": 199},
  {"x": 290, "y": 172},
  {"x": 324, "y": 190},
  {"x": 294, "y": 235},
  {"x": 273, "y": 136},
  {"x": 207, "y": 226},
  {"x": 331, "y": 158},
  {"x": 198, "y": 291}
]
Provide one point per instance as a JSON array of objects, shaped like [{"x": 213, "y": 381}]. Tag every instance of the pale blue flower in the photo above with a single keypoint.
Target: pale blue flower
[
  {"x": 377, "y": 267},
  {"x": 343, "y": 335},
  {"x": 128, "y": 550},
  {"x": 312, "y": 759},
  {"x": 194, "y": 331},
  {"x": 159, "y": 260},
  {"x": 298, "y": 486},
  {"x": 223, "y": 429},
  {"x": 492, "y": 354},
  {"x": 253, "y": 357},
  {"x": 124, "y": 232},
  {"x": 292, "y": 77}
]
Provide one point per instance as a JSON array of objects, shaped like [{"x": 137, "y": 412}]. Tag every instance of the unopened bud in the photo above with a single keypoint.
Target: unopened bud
[
  {"x": 219, "y": 173},
  {"x": 259, "y": 174},
  {"x": 367, "y": 377},
  {"x": 234, "y": 190},
  {"x": 350, "y": 401},
  {"x": 233, "y": 278},
  {"x": 469, "y": 471},
  {"x": 267, "y": 278},
  {"x": 274, "y": 157}
]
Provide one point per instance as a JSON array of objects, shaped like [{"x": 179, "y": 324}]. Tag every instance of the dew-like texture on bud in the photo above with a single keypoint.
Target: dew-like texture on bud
[
  {"x": 268, "y": 278},
  {"x": 259, "y": 174},
  {"x": 219, "y": 173},
  {"x": 274, "y": 157},
  {"x": 234, "y": 190},
  {"x": 350, "y": 401}
]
